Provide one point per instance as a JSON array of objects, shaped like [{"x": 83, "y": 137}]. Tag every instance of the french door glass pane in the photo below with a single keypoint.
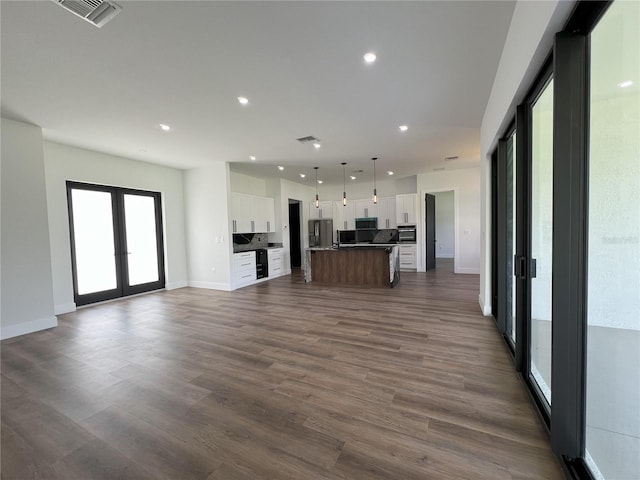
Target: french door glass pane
[
  {"x": 541, "y": 239},
  {"x": 94, "y": 241},
  {"x": 140, "y": 223},
  {"x": 511, "y": 236},
  {"x": 613, "y": 287}
]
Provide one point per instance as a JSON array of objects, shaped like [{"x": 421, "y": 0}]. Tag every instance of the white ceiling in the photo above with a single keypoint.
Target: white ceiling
[{"x": 299, "y": 63}]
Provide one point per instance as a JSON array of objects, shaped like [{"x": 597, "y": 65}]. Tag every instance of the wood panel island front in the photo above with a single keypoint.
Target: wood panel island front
[{"x": 365, "y": 265}]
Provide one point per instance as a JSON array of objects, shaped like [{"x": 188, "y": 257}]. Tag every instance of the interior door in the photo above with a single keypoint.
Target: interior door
[
  {"x": 116, "y": 242},
  {"x": 430, "y": 213}
]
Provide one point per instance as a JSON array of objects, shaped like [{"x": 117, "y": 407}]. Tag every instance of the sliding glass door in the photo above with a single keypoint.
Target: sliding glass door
[
  {"x": 613, "y": 254},
  {"x": 540, "y": 263},
  {"x": 116, "y": 241}
]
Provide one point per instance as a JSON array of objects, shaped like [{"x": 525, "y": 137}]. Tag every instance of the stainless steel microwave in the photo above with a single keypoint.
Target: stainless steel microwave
[
  {"x": 407, "y": 234},
  {"x": 368, "y": 222}
]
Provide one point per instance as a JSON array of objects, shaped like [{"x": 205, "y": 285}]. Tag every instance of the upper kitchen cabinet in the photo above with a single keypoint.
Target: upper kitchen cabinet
[
  {"x": 366, "y": 208},
  {"x": 387, "y": 213},
  {"x": 406, "y": 208},
  {"x": 344, "y": 216},
  {"x": 324, "y": 210},
  {"x": 252, "y": 214}
]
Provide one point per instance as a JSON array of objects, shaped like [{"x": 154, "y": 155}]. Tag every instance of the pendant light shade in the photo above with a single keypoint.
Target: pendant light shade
[
  {"x": 375, "y": 190},
  {"x": 344, "y": 186},
  {"x": 317, "y": 199}
]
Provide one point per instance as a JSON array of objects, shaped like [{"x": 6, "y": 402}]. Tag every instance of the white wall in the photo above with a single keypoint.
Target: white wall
[
  {"x": 207, "y": 196},
  {"x": 241, "y": 183},
  {"x": 528, "y": 43},
  {"x": 26, "y": 279},
  {"x": 63, "y": 162},
  {"x": 445, "y": 227},
  {"x": 465, "y": 184}
]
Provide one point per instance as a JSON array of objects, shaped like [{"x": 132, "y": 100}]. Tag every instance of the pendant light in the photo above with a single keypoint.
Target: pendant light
[
  {"x": 344, "y": 186},
  {"x": 317, "y": 199},
  {"x": 375, "y": 191}
]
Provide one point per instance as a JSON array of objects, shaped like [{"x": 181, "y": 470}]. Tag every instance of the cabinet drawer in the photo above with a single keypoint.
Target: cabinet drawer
[
  {"x": 275, "y": 260},
  {"x": 244, "y": 262},
  {"x": 244, "y": 278}
]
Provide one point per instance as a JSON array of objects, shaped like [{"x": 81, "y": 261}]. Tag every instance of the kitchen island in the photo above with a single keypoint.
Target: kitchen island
[{"x": 365, "y": 265}]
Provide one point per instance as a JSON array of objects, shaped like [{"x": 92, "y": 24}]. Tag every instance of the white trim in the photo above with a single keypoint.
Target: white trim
[
  {"x": 470, "y": 271},
  {"x": 174, "y": 285},
  {"x": 444, "y": 255},
  {"x": 10, "y": 331},
  {"x": 210, "y": 285},
  {"x": 64, "y": 308},
  {"x": 486, "y": 309}
]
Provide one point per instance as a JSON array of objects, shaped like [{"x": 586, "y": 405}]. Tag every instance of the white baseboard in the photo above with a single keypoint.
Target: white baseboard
[
  {"x": 10, "y": 331},
  {"x": 470, "y": 271},
  {"x": 210, "y": 285},
  {"x": 444, "y": 255},
  {"x": 64, "y": 308},
  {"x": 174, "y": 285},
  {"x": 486, "y": 309}
]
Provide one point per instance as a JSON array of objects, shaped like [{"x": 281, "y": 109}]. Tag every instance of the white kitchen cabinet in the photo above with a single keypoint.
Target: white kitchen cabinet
[
  {"x": 252, "y": 214},
  {"x": 243, "y": 269},
  {"x": 345, "y": 215},
  {"x": 275, "y": 257},
  {"x": 408, "y": 257},
  {"x": 406, "y": 208},
  {"x": 387, "y": 213},
  {"x": 365, "y": 208},
  {"x": 324, "y": 210}
]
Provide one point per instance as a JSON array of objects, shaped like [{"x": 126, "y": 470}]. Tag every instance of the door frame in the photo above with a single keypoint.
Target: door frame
[
  {"x": 120, "y": 243},
  {"x": 422, "y": 227}
]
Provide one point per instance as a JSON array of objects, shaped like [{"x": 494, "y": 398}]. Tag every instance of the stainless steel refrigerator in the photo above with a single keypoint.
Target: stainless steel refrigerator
[{"x": 321, "y": 233}]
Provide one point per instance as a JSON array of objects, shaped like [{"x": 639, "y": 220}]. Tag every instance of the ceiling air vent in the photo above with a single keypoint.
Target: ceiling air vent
[
  {"x": 308, "y": 139},
  {"x": 96, "y": 12}
]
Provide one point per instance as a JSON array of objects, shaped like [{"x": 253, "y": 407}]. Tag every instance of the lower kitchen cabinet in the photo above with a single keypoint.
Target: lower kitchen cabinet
[
  {"x": 275, "y": 258},
  {"x": 408, "y": 257},
  {"x": 243, "y": 269}
]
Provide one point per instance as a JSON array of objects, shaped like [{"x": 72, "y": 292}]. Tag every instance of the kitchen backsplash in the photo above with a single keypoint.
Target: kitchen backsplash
[{"x": 243, "y": 242}]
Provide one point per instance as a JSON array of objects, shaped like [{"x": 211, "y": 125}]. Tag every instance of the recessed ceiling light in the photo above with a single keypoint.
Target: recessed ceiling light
[
  {"x": 403, "y": 128},
  {"x": 389, "y": 172},
  {"x": 319, "y": 181},
  {"x": 316, "y": 145},
  {"x": 280, "y": 167},
  {"x": 243, "y": 100},
  {"x": 164, "y": 127},
  {"x": 625, "y": 84},
  {"x": 370, "y": 57},
  {"x": 352, "y": 177},
  {"x": 302, "y": 175},
  {"x": 251, "y": 157}
]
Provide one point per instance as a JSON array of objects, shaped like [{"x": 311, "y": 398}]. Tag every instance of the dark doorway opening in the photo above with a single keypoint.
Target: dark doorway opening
[
  {"x": 295, "y": 246},
  {"x": 430, "y": 236}
]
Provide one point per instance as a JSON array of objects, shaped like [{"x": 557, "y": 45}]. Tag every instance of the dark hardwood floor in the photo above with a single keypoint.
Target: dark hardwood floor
[{"x": 282, "y": 380}]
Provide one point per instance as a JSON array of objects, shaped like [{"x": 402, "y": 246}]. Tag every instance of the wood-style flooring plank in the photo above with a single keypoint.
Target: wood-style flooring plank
[{"x": 280, "y": 380}]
